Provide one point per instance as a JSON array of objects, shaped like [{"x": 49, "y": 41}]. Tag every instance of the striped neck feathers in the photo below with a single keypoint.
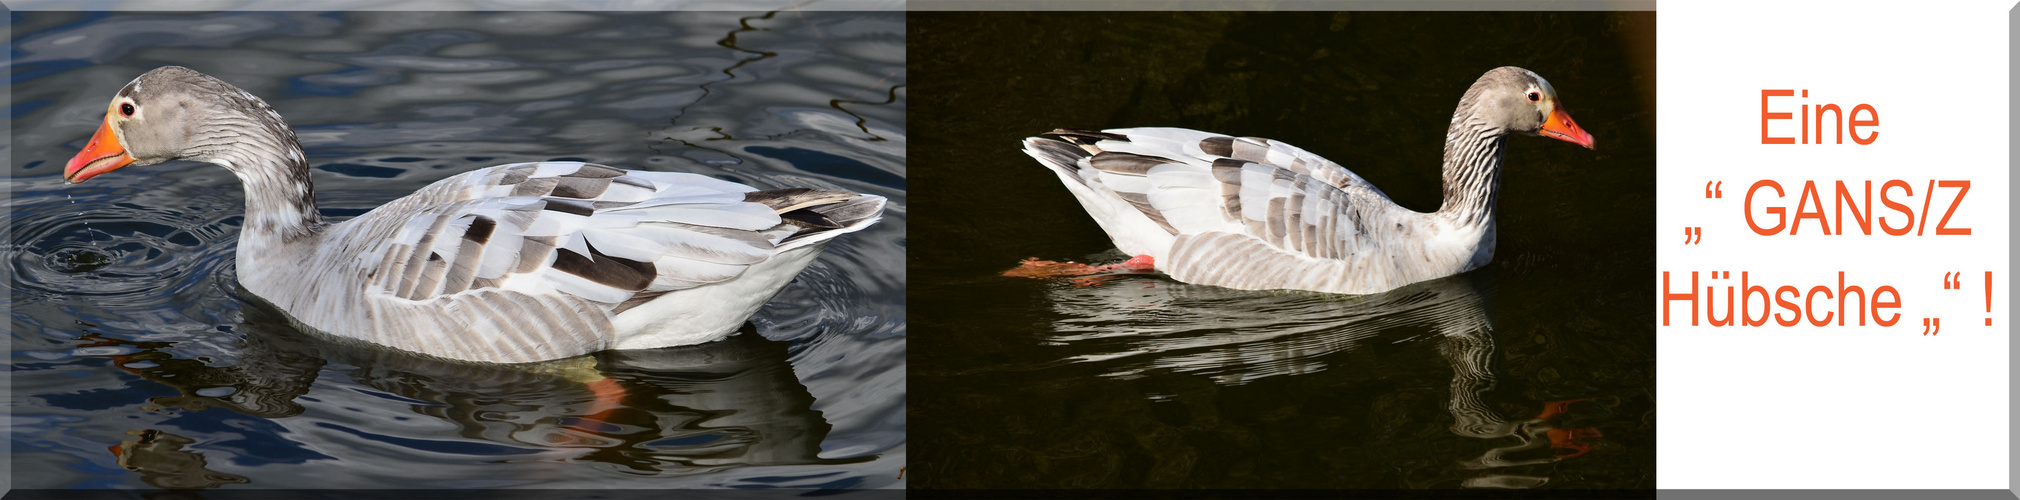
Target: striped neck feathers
[
  {"x": 254, "y": 143},
  {"x": 1473, "y": 153}
]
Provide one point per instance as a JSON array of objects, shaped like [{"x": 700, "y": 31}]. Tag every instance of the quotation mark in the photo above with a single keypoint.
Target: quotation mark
[
  {"x": 1695, "y": 234},
  {"x": 1955, "y": 281}
]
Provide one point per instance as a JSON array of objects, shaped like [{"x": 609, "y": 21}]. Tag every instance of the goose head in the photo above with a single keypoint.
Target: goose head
[
  {"x": 1519, "y": 101},
  {"x": 175, "y": 113}
]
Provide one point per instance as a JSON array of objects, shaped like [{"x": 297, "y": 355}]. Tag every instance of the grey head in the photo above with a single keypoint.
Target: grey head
[
  {"x": 1518, "y": 101},
  {"x": 176, "y": 113}
]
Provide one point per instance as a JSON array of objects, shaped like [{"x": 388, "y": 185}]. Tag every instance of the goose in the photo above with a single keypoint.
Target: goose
[
  {"x": 1257, "y": 214},
  {"x": 516, "y": 263}
]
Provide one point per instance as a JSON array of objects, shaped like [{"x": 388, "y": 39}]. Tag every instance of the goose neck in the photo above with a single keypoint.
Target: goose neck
[
  {"x": 268, "y": 160},
  {"x": 1473, "y": 153}
]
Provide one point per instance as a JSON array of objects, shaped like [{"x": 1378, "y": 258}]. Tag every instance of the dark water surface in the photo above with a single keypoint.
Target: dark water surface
[
  {"x": 138, "y": 362},
  {"x": 1536, "y": 371}
]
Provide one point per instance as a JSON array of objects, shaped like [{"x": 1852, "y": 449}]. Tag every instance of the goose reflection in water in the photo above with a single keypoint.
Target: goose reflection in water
[
  {"x": 683, "y": 410},
  {"x": 159, "y": 458},
  {"x": 1138, "y": 325}
]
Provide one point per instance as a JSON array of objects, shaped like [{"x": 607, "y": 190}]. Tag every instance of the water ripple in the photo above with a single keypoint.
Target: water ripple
[
  {"x": 141, "y": 256},
  {"x": 1136, "y": 324}
]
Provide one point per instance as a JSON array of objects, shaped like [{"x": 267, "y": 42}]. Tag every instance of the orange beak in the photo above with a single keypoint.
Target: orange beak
[
  {"x": 103, "y": 154},
  {"x": 1559, "y": 126}
]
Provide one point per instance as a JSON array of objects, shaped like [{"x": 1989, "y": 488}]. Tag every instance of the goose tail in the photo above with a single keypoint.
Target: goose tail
[
  {"x": 1060, "y": 156},
  {"x": 815, "y": 215}
]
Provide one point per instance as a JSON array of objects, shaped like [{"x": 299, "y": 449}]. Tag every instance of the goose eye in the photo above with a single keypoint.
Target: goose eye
[
  {"x": 1534, "y": 96},
  {"x": 126, "y": 109}
]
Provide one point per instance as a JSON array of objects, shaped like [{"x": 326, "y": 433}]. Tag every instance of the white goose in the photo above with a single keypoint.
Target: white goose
[
  {"x": 1257, "y": 214},
  {"x": 509, "y": 264}
]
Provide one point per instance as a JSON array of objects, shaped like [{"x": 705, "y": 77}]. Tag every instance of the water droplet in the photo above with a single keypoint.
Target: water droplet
[{"x": 87, "y": 222}]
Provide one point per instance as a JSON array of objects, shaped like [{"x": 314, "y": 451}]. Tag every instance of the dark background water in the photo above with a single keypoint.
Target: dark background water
[
  {"x": 137, "y": 362},
  {"x": 1536, "y": 371}
]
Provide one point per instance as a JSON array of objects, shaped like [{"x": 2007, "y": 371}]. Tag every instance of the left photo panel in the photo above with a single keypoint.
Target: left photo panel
[{"x": 458, "y": 250}]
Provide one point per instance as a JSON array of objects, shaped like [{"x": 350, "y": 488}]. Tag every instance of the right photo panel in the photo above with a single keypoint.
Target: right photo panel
[{"x": 1376, "y": 251}]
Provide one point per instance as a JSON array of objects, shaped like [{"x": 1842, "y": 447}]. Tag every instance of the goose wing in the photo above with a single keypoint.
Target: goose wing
[
  {"x": 1242, "y": 213},
  {"x": 532, "y": 260}
]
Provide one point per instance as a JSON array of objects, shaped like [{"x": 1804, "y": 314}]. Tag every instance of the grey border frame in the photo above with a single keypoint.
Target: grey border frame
[
  {"x": 2013, "y": 123},
  {"x": 456, "y": 5},
  {"x": 2013, "y": 349},
  {"x": 1280, "y": 5},
  {"x": 2013, "y": 146},
  {"x": 7, "y": 235},
  {"x": 8, "y": 7}
]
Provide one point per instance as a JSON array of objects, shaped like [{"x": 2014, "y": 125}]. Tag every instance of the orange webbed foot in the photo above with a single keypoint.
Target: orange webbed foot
[
  {"x": 1141, "y": 264},
  {"x": 1570, "y": 440},
  {"x": 1045, "y": 269},
  {"x": 606, "y": 396},
  {"x": 1078, "y": 273},
  {"x": 1555, "y": 408}
]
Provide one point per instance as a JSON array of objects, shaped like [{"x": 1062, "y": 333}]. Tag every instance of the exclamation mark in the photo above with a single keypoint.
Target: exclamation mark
[{"x": 1988, "y": 297}]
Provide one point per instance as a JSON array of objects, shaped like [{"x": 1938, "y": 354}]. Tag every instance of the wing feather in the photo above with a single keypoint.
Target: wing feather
[
  {"x": 580, "y": 230},
  {"x": 535, "y": 258},
  {"x": 1301, "y": 207}
]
